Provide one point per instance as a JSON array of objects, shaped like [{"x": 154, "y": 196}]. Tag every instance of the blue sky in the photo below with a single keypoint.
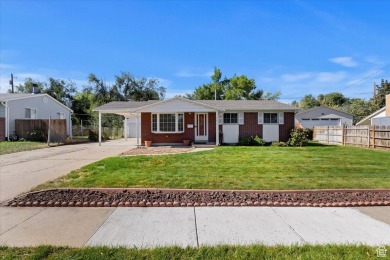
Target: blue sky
[{"x": 297, "y": 47}]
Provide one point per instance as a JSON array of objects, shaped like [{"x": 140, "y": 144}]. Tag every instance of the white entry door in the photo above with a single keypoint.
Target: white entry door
[
  {"x": 271, "y": 132},
  {"x": 201, "y": 127}
]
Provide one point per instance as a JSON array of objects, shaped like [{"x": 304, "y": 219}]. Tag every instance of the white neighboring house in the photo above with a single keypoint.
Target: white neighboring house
[
  {"x": 379, "y": 117},
  {"x": 30, "y": 106},
  {"x": 322, "y": 116}
]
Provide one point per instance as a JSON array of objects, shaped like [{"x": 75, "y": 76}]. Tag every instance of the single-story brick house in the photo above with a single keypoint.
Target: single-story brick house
[{"x": 205, "y": 121}]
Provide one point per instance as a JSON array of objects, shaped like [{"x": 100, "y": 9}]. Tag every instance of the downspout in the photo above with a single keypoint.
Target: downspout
[{"x": 6, "y": 113}]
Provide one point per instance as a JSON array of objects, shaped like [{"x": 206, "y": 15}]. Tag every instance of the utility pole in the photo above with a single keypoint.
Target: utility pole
[
  {"x": 11, "y": 82},
  {"x": 374, "y": 89}
]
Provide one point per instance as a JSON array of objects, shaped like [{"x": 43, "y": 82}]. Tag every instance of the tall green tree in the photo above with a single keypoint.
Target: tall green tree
[
  {"x": 82, "y": 106},
  {"x": 334, "y": 99},
  {"x": 139, "y": 89},
  {"x": 382, "y": 90},
  {"x": 359, "y": 108},
  {"x": 237, "y": 87},
  {"x": 27, "y": 86},
  {"x": 309, "y": 101},
  {"x": 61, "y": 90}
]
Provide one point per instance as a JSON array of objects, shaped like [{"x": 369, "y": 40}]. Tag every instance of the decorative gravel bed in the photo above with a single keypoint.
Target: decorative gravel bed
[
  {"x": 188, "y": 198},
  {"x": 159, "y": 150}
]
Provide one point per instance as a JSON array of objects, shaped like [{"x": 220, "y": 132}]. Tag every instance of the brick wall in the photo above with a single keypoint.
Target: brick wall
[
  {"x": 212, "y": 137},
  {"x": 250, "y": 126},
  {"x": 285, "y": 129},
  {"x": 147, "y": 135}
]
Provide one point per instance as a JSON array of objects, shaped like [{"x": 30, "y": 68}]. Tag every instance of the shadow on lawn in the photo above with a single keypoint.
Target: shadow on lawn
[{"x": 313, "y": 143}]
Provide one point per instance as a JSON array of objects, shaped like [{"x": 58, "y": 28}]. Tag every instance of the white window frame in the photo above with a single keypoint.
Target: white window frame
[
  {"x": 61, "y": 115},
  {"x": 158, "y": 123},
  {"x": 36, "y": 112},
  {"x": 277, "y": 118},
  {"x": 223, "y": 119}
]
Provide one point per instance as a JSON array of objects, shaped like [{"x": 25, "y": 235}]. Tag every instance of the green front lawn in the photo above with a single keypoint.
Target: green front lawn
[
  {"x": 312, "y": 167},
  {"x": 218, "y": 252},
  {"x": 20, "y": 146}
]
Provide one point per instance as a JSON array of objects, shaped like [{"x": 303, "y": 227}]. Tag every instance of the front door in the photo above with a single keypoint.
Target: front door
[{"x": 201, "y": 127}]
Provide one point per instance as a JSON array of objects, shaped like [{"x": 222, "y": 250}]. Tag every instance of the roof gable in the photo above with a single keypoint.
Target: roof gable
[
  {"x": 321, "y": 111},
  {"x": 177, "y": 104},
  {"x": 369, "y": 117},
  {"x": 10, "y": 97}
]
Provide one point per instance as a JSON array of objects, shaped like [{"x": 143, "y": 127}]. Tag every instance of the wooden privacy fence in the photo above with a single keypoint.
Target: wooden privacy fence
[
  {"x": 57, "y": 128},
  {"x": 367, "y": 136}
]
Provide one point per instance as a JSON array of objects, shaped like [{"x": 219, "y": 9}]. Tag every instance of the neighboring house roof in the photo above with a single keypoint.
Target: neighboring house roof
[
  {"x": 17, "y": 96},
  {"x": 368, "y": 118},
  {"x": 234, "y": 105},
  {"x": 302, "y": 112}
]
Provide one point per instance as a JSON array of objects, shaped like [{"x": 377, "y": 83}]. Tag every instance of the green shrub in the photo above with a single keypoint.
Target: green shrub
[
  {"x": 299, "y": 137},
  {"x": 93, "y": 136},
  {"x": 280, "y": 144},
  {"x": 251, "y": 141},
  {"x": 36, "y": 135}
]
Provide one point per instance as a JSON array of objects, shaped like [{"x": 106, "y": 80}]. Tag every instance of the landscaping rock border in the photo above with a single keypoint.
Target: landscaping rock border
[{"x": 201, "y": 198}]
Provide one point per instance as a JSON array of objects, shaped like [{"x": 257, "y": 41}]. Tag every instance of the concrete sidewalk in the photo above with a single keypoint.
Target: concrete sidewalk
[
  {"x": 19, "y": 172},
  {"x": 151, "y": 227}
]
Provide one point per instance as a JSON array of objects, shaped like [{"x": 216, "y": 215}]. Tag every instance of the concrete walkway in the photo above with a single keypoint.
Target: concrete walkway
[
  {"x": 151, "y": 227},
  {"x": 19, "y": 172}
]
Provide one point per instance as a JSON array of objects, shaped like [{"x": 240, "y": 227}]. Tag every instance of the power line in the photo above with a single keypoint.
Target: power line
[{"x": 376, "y": 72}]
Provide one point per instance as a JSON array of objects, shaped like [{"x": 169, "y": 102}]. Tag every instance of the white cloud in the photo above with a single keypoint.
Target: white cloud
[
  {"x": 296, "y": 77},
  {"x": 330, "y": 77},
  {"x": 344, "y": 61}
]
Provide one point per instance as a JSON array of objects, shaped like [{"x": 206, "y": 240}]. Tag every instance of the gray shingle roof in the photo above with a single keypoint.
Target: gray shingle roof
[
  {"x": 247, "y": 104},
  {"x": 236, "y": 105},
  {"x": 124, "y": 105},
  {"x": 13, "y": 96}
]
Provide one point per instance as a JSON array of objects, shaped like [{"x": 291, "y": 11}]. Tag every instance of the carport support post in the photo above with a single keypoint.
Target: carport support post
[
  {"x": 136, "y": 126},
  {"x": 100, "y": 128},
  {"x": 216, "y": 128},
  {"x": 125, "y": 129}
]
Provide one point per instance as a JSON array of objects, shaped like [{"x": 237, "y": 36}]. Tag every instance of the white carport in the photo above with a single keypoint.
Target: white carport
[{"x": 126, "y": 109}]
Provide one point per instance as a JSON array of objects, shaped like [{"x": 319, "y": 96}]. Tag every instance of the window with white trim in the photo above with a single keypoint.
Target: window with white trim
[
  {"x": 230, "y": 118},
  {"x": 61, "y": 115},
  {"x": 168, "y": 123},
  {"x": 270, "y": 118},
  {"x": 30, "y": 113}
]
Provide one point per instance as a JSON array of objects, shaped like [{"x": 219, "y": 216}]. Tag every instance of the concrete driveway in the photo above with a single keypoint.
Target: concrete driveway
[{"x": 19, "y": 172}]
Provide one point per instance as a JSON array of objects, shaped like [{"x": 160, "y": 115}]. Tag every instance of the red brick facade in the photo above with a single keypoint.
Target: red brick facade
[
  {"x": 189, "y": 133},
  {"x": 249, "y": 128},
  {"x": 285, "y": 129}
]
